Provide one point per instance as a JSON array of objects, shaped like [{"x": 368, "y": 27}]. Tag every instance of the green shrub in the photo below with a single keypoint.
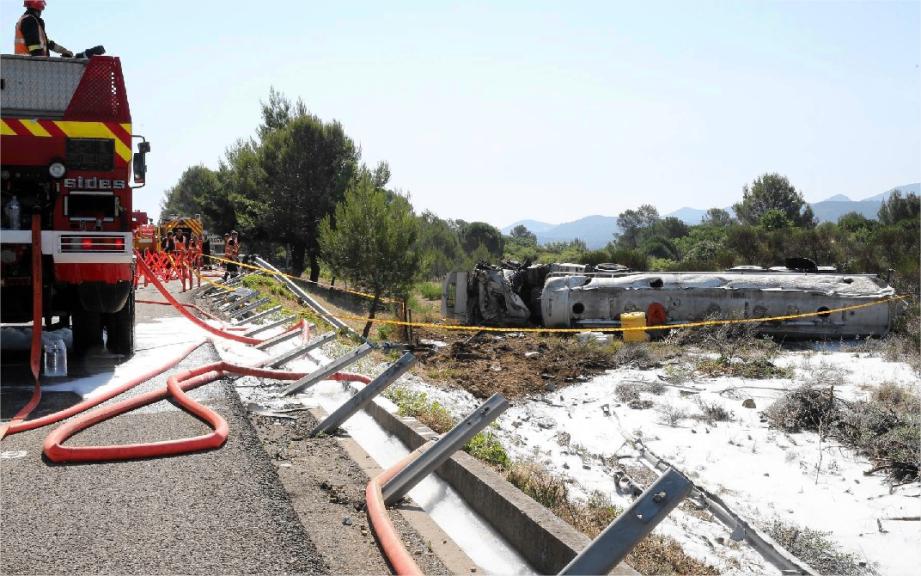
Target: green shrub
[
  {"x": 486, "y": 447},
  {"x": 430, "y": 290}
]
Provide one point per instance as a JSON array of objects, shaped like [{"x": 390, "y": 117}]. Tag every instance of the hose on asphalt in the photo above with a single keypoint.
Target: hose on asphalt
[{"x": 176, "y": 387}]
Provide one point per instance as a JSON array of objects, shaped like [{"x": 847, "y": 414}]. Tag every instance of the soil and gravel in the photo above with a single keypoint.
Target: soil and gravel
[{"x": 327, "y": 491}]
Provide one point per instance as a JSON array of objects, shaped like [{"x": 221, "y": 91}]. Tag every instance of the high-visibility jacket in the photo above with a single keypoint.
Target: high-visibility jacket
[{"x": 26, "y": 50}]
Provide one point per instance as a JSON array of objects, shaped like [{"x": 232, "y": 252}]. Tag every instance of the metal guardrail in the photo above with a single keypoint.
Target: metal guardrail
[
  {"x": 264, "y": 314},
  {"x": 284, "y": 337},
  {"x": 327, "y": 370},
  {"x": 249, "y": 307},
  {"x": 290, "y": 355},
  {"x": 269, "y": 326},
  {"x": 365, "y": 395},
  {"x": 441, "y": 450},
  {"x": 308, "y": 299},
  {"x": 635, "y": 523}
]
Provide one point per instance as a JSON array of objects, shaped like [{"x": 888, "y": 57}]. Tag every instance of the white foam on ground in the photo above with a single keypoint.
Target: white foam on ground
[{"x": 762, "y": 473}]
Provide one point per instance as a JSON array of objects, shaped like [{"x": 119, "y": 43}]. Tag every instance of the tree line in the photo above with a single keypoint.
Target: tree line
[
  {"x": 298, "y": 191},
  {"x": 771, "y": 222}
]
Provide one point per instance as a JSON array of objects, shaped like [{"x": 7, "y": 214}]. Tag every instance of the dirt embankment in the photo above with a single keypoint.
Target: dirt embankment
[{"x": 513, "y": 363}]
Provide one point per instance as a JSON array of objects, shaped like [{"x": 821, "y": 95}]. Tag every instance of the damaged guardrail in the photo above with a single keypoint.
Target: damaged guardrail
[
  {"x": 327, "y": 370},
  {"x": 447, "y": 445},
  {"x": 634, "y": 524},
  {"x": 307, "y": 299},
  {"x": 365, "y": 395}
]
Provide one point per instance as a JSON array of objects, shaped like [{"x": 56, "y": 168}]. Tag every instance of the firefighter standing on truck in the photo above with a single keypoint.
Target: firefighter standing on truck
[{"x": 31, "y": 39}]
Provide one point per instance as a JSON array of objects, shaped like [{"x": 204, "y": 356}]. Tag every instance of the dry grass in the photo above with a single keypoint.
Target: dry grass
[
  {"x": 817, "y": 550},
  {"x": 887, "y": 427},
  {"x": 655, "y": 554}
]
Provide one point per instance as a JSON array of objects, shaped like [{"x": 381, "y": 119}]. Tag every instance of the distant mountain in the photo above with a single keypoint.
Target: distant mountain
[
  {"x": 906, "y": 189},
  {"x": 690, "y": 216},
  {"x": 831, "y": 210},
  {"x": 838, "y": 205},
  {"x": 532, "y": 225},
  {"x": 828, "y": 210},
  {"x": 595, "y": 231}
]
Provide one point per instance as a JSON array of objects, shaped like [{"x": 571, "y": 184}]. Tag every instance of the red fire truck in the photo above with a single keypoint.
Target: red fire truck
[{"x": 66, "y": 155}]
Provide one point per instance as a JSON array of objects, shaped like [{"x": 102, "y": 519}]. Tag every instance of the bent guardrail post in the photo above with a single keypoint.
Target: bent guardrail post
[
  {"x": 309, "y": 300},
  {"x": 283, "y": 337},
  {"x": 263, "y": 314},
  {"x": 249, "y": 307},
  {"x": 323, "y": 372},
  {"x": 269, "y": 326},
  {"x": 627, "y": 530},
  {"x": 441, "y": 450},
  {"x": 290, "y": 355},
  {"x": 365, "y": 395}
]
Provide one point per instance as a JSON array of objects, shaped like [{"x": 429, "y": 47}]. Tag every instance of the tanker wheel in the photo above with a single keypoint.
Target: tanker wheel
[
  {"x": 87, "y": 330},
  {"x": 120, "y": 329}
]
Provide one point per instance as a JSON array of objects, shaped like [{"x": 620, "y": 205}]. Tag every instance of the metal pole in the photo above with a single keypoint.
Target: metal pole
[
  {"x": 264, "y": 313},
  {"x": 626, "y": 531},
  {"x": 283, "y": 337},
  {"x": 276, "y": 324},
  {"x": 365, "y": 395},
  {"x": 441, "y": 450},
  {"x": 290, "y": 355},
  {"x": 249, "y": 307},
  {"x": 325, "y": 371}
]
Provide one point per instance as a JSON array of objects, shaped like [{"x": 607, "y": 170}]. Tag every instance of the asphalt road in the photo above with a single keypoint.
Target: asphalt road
[{"x": 222, "y": 511}]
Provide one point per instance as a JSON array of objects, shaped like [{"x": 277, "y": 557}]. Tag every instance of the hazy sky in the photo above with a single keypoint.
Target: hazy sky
[{"x": 548, "y": 110}]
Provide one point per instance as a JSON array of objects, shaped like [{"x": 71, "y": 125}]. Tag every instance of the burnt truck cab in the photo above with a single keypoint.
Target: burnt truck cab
[{"x": 66, "y": 155}]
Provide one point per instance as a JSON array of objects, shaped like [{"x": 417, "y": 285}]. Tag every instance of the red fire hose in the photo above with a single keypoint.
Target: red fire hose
[
  {"x": 176, "y": 385},
  {"x": 36, "y": 348},
  {"x": 397, "y": 555}
]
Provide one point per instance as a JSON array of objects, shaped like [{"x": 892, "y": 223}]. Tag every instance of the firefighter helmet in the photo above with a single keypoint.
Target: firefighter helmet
[{"x": 35, "y": 4}]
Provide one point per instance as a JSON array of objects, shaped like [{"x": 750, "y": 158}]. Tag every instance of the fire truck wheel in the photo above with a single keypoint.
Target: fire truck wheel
[
  {"x": 120, "y": 329},
  {"x": 87, "y": 330}
]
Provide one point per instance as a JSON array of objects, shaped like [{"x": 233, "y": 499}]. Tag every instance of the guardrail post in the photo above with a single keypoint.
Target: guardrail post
[
  {"x": 249, "y": 307},
  {"x": 300, "y": 350},
  {"x": 269, "y": 326},
  {"x": 441, "y": 450},
  {"x": 365, "y": 395},
  {"x": 283, "y": 337},
  {"x": 323, "y": 371},
  {"x": 263, "y": 314},
  {"x": 618, "y": 539}
]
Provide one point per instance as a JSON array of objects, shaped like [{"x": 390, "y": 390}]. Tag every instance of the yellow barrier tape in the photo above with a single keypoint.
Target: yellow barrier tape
[
  {"x": 699, "y": 324},
  {"x": 330, "y": 286},
  {"x": 215, "y": 284}
]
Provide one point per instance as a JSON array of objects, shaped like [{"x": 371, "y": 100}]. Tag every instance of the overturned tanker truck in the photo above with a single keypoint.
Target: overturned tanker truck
[{"x": 592, "y": 297}]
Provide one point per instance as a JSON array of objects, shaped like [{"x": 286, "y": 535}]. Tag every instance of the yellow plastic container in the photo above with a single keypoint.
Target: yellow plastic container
[{"x": 634, "y": 320}]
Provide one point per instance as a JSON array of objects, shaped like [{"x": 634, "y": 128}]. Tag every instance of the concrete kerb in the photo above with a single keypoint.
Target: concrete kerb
[
  {"x": 441, "y": 543},
  {"x": 543, "y": 539}
]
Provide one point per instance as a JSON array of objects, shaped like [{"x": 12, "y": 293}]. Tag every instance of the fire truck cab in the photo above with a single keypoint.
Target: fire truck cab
[{"x": 66, "y": 155}]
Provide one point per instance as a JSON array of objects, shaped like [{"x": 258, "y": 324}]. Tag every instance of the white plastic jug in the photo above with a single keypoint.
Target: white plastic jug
[{"x": 55, "y": 359}]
